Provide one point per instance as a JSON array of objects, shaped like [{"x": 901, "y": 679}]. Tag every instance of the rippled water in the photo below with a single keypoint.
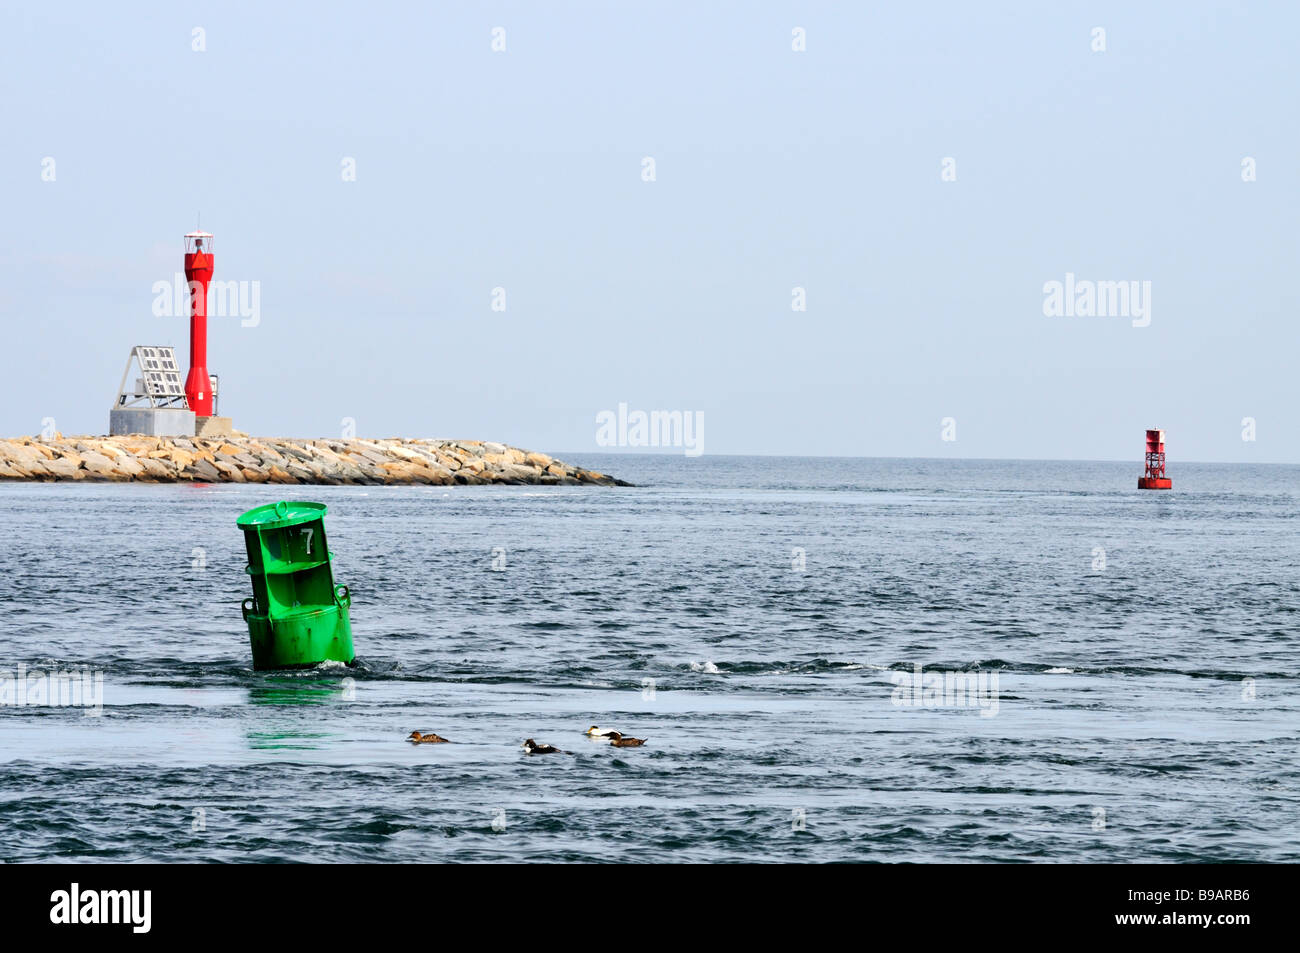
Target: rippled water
[{"x": 1146, "y": 710}]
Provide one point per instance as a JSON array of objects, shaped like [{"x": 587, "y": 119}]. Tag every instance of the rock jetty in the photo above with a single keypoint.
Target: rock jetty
[{"x": 239, "y": 458}]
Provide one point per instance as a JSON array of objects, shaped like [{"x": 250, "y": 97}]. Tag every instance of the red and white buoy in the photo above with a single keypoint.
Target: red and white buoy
[{"x": 1154, "y": 478}]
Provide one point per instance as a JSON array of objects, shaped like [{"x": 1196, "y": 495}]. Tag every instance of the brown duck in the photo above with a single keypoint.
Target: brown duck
[
  {"x": 617, "y": 740},
  {"x": 416, "y": 738}
]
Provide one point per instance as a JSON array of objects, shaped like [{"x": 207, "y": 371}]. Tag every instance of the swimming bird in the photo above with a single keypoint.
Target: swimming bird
[
  {"x": 595, "y": 732},
  {"x": 618, "y": 741},
  {"x": 416, "y": 738},
  {"x": 532, "y": 747}
]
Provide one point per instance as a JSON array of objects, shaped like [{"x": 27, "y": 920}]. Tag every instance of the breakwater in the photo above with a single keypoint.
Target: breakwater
[{"x": 239, "y": 458}]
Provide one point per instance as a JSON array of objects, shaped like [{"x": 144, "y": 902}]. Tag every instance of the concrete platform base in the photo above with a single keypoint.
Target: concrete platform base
[
  {"x": 212, "y": 427},
  {"x": 151, "y": 421}
]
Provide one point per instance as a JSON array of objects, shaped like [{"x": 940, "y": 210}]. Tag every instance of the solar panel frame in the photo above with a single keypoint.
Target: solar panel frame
[{"x": 160, "y": 382}]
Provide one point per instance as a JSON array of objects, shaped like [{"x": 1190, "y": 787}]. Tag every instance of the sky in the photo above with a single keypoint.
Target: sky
[{"x": 775, "y": 168}]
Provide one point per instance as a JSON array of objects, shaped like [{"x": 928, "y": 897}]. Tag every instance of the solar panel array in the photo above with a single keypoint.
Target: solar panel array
[{"x": 162, "y": 378}]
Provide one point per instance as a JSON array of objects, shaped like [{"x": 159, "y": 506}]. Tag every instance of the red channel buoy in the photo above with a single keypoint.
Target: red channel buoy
[{"x": 1154, "y": 478}]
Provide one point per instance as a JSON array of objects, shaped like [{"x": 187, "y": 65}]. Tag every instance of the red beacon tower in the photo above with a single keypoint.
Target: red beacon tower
[
  {"x": 198, "y": 272},
  {"x": 1154, "y": 478}
]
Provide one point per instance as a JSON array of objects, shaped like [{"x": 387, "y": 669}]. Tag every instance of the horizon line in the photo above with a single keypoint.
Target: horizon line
[{"x": 848, "y": 456}]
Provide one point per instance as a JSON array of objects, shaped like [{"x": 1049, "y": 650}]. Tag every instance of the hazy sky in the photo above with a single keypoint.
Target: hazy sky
[{"x": 774, "y": 169}]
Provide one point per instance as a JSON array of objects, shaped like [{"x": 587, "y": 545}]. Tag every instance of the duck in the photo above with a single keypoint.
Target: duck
[
  {"x": 419, "y": 738},
  {"x": 595, "y": 732},
  {"x": 617, "y": 740},
  {"x": 532, "y": 747}
]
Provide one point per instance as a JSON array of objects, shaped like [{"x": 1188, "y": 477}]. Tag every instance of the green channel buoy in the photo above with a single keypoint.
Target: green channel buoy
[{"x": 297, "y": 616}]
